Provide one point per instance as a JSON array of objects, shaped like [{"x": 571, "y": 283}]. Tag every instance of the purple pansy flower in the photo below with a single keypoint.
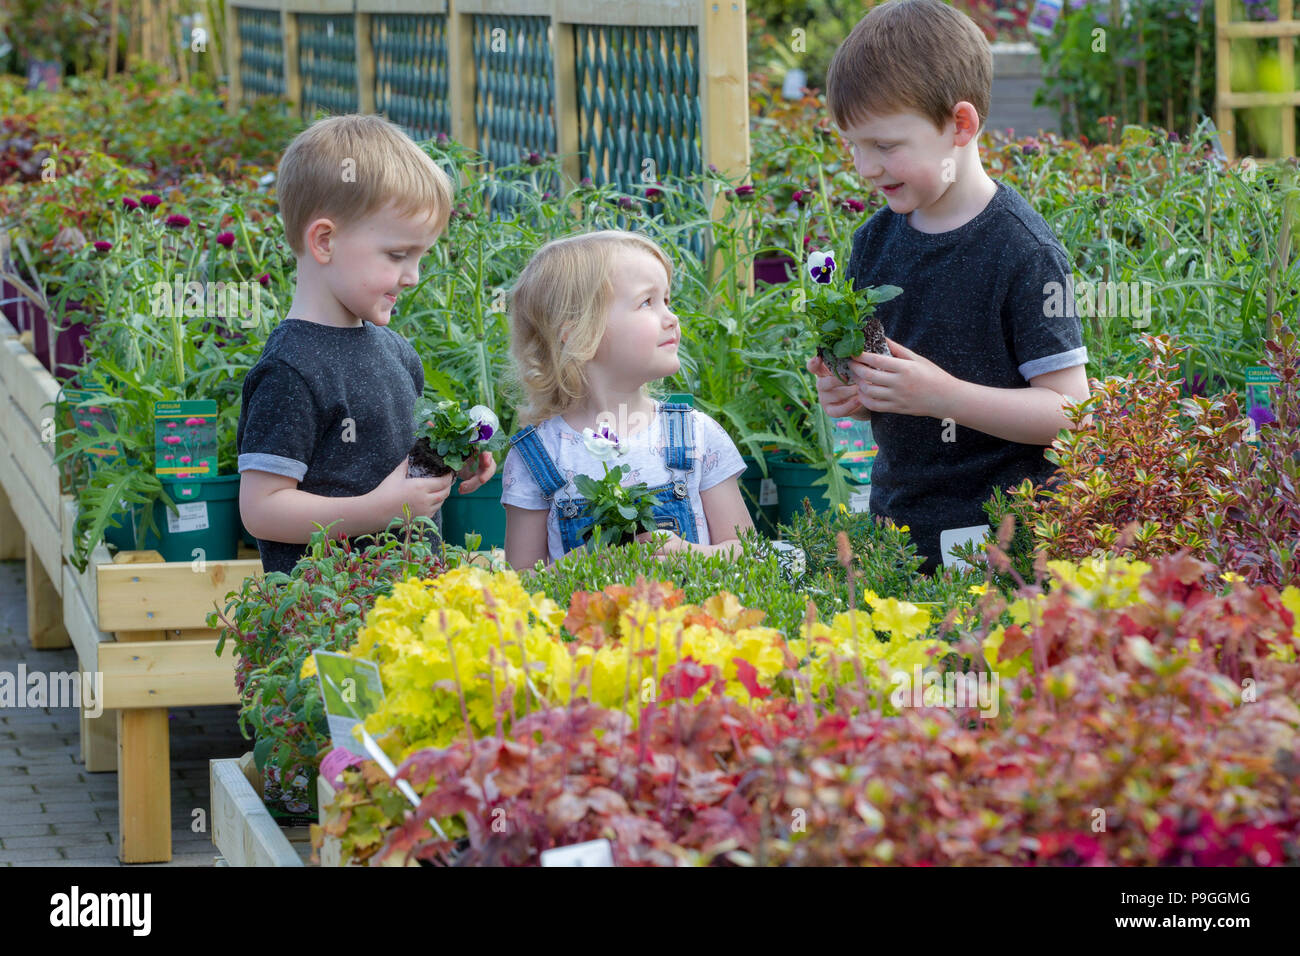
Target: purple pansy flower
[{"x": 821, "y": 267}]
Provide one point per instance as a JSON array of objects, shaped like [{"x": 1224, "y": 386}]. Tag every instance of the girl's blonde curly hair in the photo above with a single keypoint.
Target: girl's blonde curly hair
[{"x": 558, "y": 310}]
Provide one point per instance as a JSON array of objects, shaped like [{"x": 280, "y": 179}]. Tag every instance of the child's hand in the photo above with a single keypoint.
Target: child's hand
[
  {"x": 839, "y": 400},
  {"x": 903, "y": 383},
  {"x": 667, "y": 540},
  {"x": 424, "y": 496},
  {"x": 474, "y": 476}
]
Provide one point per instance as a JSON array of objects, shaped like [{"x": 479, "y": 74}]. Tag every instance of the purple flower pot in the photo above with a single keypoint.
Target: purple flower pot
[
  {"x": 69, "y": 348},
  {"x": 774, "y": 270}
]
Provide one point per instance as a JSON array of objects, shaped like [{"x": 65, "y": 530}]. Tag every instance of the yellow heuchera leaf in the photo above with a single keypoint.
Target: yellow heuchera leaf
[
  {"x": 1291, "y": 601},
  {"x": 726, "y": 609},
  {"x": 900, "y": 618}
]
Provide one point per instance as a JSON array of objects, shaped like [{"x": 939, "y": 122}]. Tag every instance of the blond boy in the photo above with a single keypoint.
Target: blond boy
[{"x": 327, "y": 418}]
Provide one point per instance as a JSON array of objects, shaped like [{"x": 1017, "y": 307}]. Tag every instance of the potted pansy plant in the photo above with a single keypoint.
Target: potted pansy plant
[
  {"x": 446, "y": 437},
  {"x": 619, "y": 512},
  {"x": 840, "y": 317}
]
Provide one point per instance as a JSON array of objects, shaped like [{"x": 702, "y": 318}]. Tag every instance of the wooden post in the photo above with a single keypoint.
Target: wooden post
[
  {"x": 565, "y": 108},
  {"x": 13, "y": 541},
  {"x": 1223, "y": 79},
  {"x": 112, "y": 38},
  {"x": 365, "y": 64},
  {"x": 461, "y": 82},
  {"x": 1286, "y": 55},
  {"x": 292, "y": 77},
  {"x": 235, "y": 89},
  {"x": 724, "y": 96},
  {"x": 99, "y": 742},
  {"x": 44, "y": 606},
  {"x": 144, "y": 792}
]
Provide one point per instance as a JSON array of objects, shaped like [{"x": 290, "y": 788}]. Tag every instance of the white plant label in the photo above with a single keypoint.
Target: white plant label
[
  {"x": 767, "y": 493},
  {"x": 952, "y": 537},
  {"x": 591, "y": 853},
  {"x": 860, "y": 501},
  {"x": 191, "y": 516}
]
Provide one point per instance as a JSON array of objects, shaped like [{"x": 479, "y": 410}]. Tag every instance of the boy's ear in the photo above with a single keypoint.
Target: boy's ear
[
  {"x": 320, "y": 239},
  {"x": 967, "y": 120}
]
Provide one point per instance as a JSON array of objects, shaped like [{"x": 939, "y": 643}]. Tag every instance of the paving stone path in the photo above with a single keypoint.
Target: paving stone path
[{"x": 54, "y": 813}]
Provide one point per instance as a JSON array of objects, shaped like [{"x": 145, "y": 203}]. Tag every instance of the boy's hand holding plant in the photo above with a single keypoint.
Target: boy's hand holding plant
[
  {"x": 840, "y": 318},
  {"x": 617, "y": 512},
  {"x": 448, "y": 439}
]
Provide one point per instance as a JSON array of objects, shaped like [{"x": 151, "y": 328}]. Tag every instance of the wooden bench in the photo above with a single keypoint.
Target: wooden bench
[{"x": 140, "y": 626}]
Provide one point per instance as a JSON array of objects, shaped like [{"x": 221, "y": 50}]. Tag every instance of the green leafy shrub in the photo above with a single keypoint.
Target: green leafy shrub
[{"x": 274, "y": 622}]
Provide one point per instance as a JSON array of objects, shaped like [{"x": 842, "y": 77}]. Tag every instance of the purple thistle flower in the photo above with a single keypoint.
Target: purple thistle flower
[
  {"x": 130, "y": 203},
  {"x": 265, "y": 279},
  {"x": 177, "y": 221},
  {"x": 150, "y": 201},
  {"x": 1260, "y": 415},
  {"x": 102, "y": 245},
  {"x": 226, "y": 239}
]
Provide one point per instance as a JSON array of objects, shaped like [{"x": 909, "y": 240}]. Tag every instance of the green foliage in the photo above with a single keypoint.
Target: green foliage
[
  {"x": 1155, "y": 65},
  {"x": 616, "y": 510},
  {"x": 275, "y": 622},
  {"x": 884, "y": 561},
  {"x": 453, "y": 433}
]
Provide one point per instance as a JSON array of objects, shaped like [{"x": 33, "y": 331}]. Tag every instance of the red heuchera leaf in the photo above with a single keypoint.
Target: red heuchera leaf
[
  {"x": 747, "y": 674},
  {"x": 685, "y": 678}
]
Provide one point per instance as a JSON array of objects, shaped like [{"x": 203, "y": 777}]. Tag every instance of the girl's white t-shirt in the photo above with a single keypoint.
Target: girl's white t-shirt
[{"x": 716, "y": 460}]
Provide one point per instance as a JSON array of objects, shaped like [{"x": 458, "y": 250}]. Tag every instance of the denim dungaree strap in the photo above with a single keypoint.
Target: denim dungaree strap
[{"x": 673, "y": 512}]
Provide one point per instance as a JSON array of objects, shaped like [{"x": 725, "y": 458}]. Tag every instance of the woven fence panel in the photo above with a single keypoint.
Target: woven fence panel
[
  {"x": 261, "y": 52},
  {"x": 638, "y": 102},
  {"x": 327, "y": 63},
  {"x": 513, "y": 92},
  {"x": 411, "y": 85}
]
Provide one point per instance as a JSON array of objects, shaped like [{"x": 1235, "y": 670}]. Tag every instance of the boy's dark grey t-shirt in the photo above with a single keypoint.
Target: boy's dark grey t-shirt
[
  {"x": 332, "y": 408},
  {"x": 973, "y": 304}
]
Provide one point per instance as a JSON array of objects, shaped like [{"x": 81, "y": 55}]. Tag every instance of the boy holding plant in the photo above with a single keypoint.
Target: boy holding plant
[
  {"x": 980, "y": 371},
  {"x": 327, "y": 418}
]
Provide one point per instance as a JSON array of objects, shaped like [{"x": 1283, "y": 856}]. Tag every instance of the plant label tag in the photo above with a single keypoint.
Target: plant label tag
[
  {"x": 591, "y": 853},
  {"x": 351, "y": 690},
  {"x": 185, "y": 439},
  {"x": 88, "y": 418},
  {"x": 189, "y": 516},
  {"x": 952, "y": 537},
  {"x": 767, "y": 493},
  {"x": 860, "y": 501}
]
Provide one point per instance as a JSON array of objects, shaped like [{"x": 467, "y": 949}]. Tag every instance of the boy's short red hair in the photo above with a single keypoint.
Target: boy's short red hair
[{"x": 921, "y": 56}]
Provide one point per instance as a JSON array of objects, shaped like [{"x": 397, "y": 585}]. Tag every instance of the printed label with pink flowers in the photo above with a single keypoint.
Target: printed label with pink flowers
[{"x": 185, "y": 439}]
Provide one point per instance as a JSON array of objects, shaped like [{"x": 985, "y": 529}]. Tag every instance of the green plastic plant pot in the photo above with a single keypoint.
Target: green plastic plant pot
[
  {"x": 479, "y": 512},
  {"x": 219, "y": 540},
  {"x": 751, "y": 486},
  {"x": 794, "y": 483}
]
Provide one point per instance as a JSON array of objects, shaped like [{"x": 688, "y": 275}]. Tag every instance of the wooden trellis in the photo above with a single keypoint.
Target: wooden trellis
[
  {"x": 606, "y": 84},
  {"x": 1284, "y": 29}
]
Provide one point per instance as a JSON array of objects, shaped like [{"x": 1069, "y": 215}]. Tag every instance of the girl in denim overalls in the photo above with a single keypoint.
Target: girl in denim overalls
[{"x": 590, "y": 329}]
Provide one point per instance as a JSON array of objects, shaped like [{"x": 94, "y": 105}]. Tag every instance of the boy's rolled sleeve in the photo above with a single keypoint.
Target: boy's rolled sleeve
[
  {"x": 281, "y": 423},
  {"x": 1039, "y": 316}
]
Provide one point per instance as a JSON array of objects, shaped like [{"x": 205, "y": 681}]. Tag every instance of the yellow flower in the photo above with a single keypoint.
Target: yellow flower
[
  {"x": 1232, "y": 576},
  {"x": 978, "y": 589},
  {"x": 308, "y": 668}
]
